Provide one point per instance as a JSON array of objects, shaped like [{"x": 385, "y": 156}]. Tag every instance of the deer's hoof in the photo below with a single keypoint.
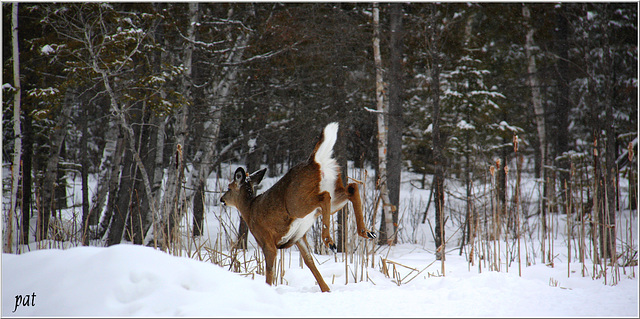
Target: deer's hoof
[
  {"x": 333, "y": 248},
  {"x": 367, "y": 234}
]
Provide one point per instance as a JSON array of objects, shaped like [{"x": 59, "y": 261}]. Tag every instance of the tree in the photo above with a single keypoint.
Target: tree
[
  {"x": 438, "y": 158},
  {"x": 536, "y": 101},
  {"x": 605, "y": 92},
  {"x": 85, "y": 177},
  {"x": 382, "y": 111},
  {"x": 17, "y": 148},
  {"x": 218, "y": 93},
  {"x": 106, "y": 50},
  {"x": 171, "y": 204},
  {"x": 395, "y": 119},
  {"x": 563, "y": 107},
  {"x": 469, "y": 107},
  {"x": 51, "y": 172},
  {"x": 436, "y": 26}
]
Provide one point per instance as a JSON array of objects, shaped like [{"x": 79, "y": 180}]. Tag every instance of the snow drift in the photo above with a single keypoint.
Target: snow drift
[{"x": 128, "y": 280}]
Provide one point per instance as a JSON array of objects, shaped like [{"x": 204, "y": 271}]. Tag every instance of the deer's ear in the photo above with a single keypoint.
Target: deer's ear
[
  {"x": 239, "y": 175},
  {"x": 257, "y": 176}
]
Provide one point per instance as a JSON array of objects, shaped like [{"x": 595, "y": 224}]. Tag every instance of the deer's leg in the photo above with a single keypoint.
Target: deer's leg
[
  {"x": 270, "y": 252},
  {"x": 325, "y": 205},
  {"x": 353, "y": 193},
  {"x": 303, "y": 246}
]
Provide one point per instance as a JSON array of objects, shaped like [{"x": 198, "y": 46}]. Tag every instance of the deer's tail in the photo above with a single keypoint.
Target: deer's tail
[{"x": 323, "y": 155}]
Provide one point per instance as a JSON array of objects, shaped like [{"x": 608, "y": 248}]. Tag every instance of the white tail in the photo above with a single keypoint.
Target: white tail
[
  {"x": 324, "y": 157},
  {"x": 282, "y": 215}
]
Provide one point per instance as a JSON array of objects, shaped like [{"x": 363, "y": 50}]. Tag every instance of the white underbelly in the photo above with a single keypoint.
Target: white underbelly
[{"x": 298, "y": 228}]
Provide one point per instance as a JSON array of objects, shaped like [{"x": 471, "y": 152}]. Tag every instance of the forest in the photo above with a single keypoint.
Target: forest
[{"x": 147, "y": 106}]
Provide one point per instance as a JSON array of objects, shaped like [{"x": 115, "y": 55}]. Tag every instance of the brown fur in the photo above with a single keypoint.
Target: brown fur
[{"x": 297, "y": 194}]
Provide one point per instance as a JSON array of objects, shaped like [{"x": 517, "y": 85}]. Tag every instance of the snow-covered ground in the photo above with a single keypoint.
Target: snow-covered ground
[{"x": 130, "y": 280}]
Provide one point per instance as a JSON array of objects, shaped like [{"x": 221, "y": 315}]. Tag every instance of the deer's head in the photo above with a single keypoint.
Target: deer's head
[{"x": 242, "y": 189}]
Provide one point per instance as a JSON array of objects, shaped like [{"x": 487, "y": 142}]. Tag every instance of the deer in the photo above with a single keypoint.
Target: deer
[{"x": 281, "y": 216}]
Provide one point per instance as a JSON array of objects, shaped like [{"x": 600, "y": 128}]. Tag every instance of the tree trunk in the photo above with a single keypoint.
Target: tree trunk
[
  {"x": 105, "y": 172},
  {"x": 438, "y": 160},
  {"x": 161, "y": 123},
  {"x": 388, "y": 233},
  {"x": 468, "y": 174},
  {"x": 396, "y": 123},
  {"x": 112, "y": 185},
  {"x": 84, "y": 172},
  {"x": 562, "y": 106},
  {"x": 536, "y": 99},
  {"x": 123, "y": 199},
  {"x": 51, "y": 173},
  {"x": 219, "y": 93},
  {"x": 198, "y": 212},
  {"x": 171, "y": 200},
  {"x": 158, "y": 171},
  {"x": 27, "y": 167},
  {"x": 128, "y": 133},
  {"x": 468, "y": 167},
  {"x": 60, "y": 188},
  {"x": 597, "y": 211},
  {"x": 139, "y": 213},
  {"x": 608, "y": 230},
  {"x": 171, "y": 195},
  {"x": 17, "y": 146},
  {"x": 608, "y": 222},
  {"x": 338, "y": 79}
]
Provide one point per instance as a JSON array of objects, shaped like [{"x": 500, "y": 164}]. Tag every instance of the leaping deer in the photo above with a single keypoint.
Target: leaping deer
[{"x": 282, "y": 215}]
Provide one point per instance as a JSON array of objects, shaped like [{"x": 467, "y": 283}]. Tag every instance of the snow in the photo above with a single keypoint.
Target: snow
[
  {"x": 252, "y": 142},
  {"x": 504, "y": 126},
  {"x": 429, "y": 128},
  {"x": 47, "y": 49},
  {"x": 127, "y": 280},
  {"x": 130, "y": 280},
  {"x": 43, "y": 92},
  {"x": 463, "y": 125}
]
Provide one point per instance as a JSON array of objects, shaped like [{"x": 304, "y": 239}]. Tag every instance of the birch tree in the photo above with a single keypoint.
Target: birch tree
[
  {"x": 105, "y": 172},
  {"x": 135, "y": 36},
  {"x": 536, "y": 95},
  {"x": 217, "y": 90},
  {"x": 111, "y": 182},
  {"x": 165, "y": 222},
  {"x": 161, "y": 124},
  {"x": 382, "y": 111},
  {"x": 218, "y": 93},
  {"x": 17, "y": 146},
  {"x": 536, "y": 100},
  {"x": 126, "y": 127}
]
